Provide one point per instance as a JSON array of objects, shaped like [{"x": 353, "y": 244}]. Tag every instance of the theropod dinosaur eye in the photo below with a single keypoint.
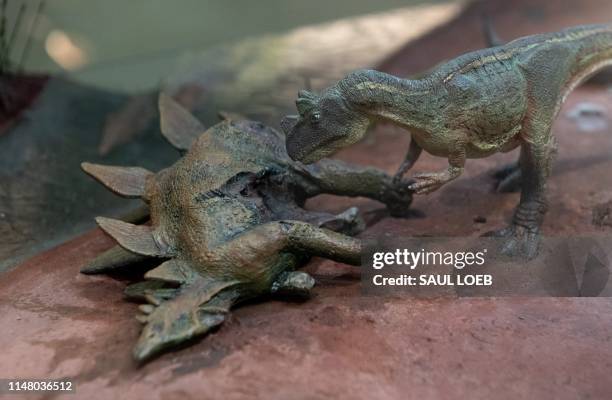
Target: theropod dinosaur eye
[{"x": 315, "y": 117}]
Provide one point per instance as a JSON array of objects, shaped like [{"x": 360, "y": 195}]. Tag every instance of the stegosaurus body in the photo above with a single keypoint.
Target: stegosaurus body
[{"x": 228, "y": 223}]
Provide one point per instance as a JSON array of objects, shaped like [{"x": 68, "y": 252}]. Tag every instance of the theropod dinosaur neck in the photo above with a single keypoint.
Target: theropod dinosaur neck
[{"x": 382, "y": 96}]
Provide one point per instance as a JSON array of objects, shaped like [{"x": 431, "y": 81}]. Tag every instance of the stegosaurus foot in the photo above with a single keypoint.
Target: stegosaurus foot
[
  {"x": 348, "y": 222},
  {"x": 294, "y": 283}
]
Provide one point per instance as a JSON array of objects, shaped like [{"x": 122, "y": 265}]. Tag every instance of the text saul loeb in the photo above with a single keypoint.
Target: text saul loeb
[{"x": 414, "y": 259}]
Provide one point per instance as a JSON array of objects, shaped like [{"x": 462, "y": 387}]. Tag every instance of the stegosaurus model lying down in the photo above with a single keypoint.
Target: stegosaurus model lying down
[{"x": 227, "y": 222}]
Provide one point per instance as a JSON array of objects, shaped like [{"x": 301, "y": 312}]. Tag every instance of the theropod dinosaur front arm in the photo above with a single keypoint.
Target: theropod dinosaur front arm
[{"x": 430, "y": 181}]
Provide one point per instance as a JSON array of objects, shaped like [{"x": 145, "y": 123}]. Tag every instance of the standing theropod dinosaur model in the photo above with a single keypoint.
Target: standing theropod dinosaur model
[
  {"x": 227, "y": 222},
  {"x": 487, "y": 101}
]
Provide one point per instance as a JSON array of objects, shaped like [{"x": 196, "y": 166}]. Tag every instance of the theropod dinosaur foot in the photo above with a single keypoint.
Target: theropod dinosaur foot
[{"x": 518, "y": 241}]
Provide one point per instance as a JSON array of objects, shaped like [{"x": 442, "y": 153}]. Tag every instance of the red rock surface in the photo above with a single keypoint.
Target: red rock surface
[{"x": 340, "y": 344}]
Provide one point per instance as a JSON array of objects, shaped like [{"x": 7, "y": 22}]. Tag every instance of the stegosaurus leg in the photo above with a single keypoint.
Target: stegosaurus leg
[
  {"x": 293, "y": 283},
  {"x": 273, "y": 237}
]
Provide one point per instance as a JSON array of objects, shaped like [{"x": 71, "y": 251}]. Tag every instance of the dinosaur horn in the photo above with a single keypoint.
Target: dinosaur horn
[
  {"x": 171, "y": 271},
  {"x": 306, "y": 94},
  {"x": 125, "y": 181},
  {"x": 305, "y": 101},
  {"x": 135, "y": 238},
  {"x": 178, "y": 126}
]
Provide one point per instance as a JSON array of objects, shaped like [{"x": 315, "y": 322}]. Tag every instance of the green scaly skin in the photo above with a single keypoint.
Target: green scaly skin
[
  {"x": 484, "y": 102},
  {"x": 228, "y": 222}
]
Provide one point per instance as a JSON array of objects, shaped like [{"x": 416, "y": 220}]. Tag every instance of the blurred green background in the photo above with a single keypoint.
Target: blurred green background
[{"x": 132, "y": 44}]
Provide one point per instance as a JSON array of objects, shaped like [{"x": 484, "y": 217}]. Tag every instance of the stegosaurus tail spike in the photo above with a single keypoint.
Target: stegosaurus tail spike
[
  {"x": 172, "y": 271},
  {"x": 178, "y": 126},
  {"x": 125, "y": 181},
  {"x": 135, "y": 238},
  {"x": 112, "y": 259}
]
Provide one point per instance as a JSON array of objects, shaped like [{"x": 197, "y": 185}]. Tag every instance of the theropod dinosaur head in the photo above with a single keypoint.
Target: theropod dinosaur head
[{"x": 325, "y": 124}]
